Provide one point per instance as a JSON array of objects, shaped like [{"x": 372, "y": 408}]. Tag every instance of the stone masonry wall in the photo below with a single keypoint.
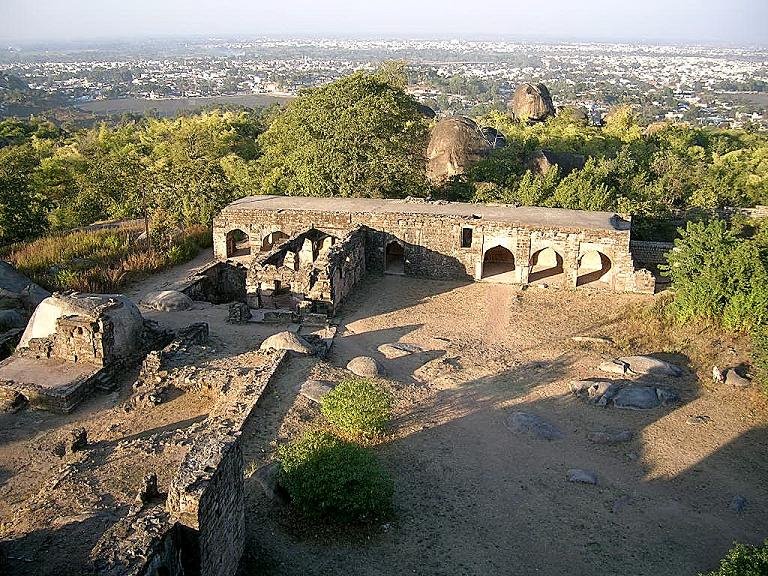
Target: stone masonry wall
[
  {"x": 201, "y": 528},
  {"x": 646, "y": 252},
  {"x": 432, "y": 243}
]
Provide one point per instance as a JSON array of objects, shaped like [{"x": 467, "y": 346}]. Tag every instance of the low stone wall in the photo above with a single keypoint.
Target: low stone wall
[
  {"x": 219, "y": 283},
  {"x": 201, "y": 529},
  {"x": 647, "y": 252}
]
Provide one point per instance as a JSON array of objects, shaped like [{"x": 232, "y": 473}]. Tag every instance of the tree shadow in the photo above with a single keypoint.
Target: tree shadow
[{"x": 57, "y": 550}]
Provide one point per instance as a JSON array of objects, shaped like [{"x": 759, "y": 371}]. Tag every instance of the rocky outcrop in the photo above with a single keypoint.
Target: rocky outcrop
[
  {"x": 531, "y": 103},
  {"x": 576, "y": 113},
  {"x": 455, "y": 145},
  {"x": 541, "y": 161}
]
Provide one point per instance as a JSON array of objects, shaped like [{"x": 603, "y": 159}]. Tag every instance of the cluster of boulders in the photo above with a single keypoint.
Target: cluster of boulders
[
  {"x": 457, "y": 143},
  {"x": 644, "y": 394}
]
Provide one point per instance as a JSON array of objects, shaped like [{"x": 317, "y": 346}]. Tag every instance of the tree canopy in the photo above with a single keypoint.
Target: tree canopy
[{"x": 359, "y": 136}]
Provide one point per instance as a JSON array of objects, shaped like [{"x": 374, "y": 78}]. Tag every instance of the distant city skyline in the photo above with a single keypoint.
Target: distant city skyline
[{"x": 696, "y": 21}]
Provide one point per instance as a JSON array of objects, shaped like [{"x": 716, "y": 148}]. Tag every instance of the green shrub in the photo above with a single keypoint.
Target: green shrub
[
  {"x": 744, "y": 560},
  {"x": 334, "y": 479},
  {"x": 357, "y": 407},
  {"x": 760, "y": 356}
]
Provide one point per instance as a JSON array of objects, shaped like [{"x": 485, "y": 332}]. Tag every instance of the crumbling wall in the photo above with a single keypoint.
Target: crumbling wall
[
  {"x": 219, "y": 283},
  {"x": 314, "y": 269},
  {"x": 651, "y": 253},
  {"x": 201, "y": 529}
]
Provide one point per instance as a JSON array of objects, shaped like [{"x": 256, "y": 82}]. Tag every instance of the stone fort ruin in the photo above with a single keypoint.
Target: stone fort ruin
[{"x": 307, "y": 253}]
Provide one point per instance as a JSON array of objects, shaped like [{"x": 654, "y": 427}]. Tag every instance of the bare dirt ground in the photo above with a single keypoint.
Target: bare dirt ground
[{"x": 473, "y": 497}]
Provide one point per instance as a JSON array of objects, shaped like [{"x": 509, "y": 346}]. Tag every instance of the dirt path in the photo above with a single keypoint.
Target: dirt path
[{"x": 473, "y": 497}]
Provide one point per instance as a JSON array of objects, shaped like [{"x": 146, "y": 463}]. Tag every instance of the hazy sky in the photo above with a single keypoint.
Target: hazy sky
[{"x": 731, "y": 21}]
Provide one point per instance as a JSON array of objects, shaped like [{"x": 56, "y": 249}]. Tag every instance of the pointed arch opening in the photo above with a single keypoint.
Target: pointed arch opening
[
  {"x": 238, "y": 243},
  {"x": 394, "y": 258},
  {"x": 273, "y": 239},
  {"x": 546, "y": 263},
  {"x": 499, "y": 264},
  {"x": 594, "y": 267}
]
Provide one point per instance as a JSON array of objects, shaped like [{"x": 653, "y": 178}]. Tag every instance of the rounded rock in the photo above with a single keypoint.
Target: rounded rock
[
  {"x": 168, "y": 301},
  {"x": 287, "y": 341},
  {"x": 364, "y": 366}
]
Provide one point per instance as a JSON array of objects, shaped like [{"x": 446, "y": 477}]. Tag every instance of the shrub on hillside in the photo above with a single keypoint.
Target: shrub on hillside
[
  {"x": 358, "y": 407},
  {"x": 760, "y": 356},
  {"x": 719, "y": 276},
  {"x": 330, "y": 478},
  {"x": 744, "y": 560}
]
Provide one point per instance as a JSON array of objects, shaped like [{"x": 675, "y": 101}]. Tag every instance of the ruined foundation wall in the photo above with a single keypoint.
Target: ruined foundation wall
[
  {"x": 201, "y": 529},
  {"x": 219, "y": 283},
  {"x": 432, "y": 243},
  {"x": 316, "y": 267}
]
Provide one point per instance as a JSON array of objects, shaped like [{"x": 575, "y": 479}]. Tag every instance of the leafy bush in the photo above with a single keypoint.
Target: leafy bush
[
  {"x": 330, "y": 478},
  {"x": 760, "y": 356},
  {"x": 357, "y": 407},
  {"x": 719, "y": 276},
  {"x": 743, "y": 560}
]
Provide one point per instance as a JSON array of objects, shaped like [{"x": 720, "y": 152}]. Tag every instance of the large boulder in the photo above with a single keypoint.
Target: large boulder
[
  {"x": 10, "y": 319},
  {"x": 168, "y": 301},
  {"x": 455, "y": 145},
  {"x": 495, "y": 138},
  {"x": 541, "y": 161},
  {"x": 531, "y": 103},
  {"x": 287, "y": 341},
  {"x": 15, "y": 287},
  {"x": 576, "y": 113}
]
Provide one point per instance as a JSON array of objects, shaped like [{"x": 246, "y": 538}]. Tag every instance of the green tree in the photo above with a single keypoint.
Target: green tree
[
  {"x": 358, "y": 136},
  {"x": 22, "y": 210}
]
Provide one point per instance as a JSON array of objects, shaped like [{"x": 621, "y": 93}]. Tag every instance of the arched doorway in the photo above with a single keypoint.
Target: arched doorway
[
  {"x": 394, "y": 258},
  {"x": 546, "y": 263},
  {"x": 499, "y": 264},
  {"x": 594, "y": 266},
  {"x": 272, "y": 239},
  {"x": 238, "y": 243}
]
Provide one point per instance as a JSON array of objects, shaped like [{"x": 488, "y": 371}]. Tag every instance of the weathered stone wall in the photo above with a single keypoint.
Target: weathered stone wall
[
  {"x": 201, "y": 529},
  {"x": 647, "y": 252},
  {"x": 433, "y": 247},
  {"x": 316, "y": 269},
  {"x": 218, "y": 283}
]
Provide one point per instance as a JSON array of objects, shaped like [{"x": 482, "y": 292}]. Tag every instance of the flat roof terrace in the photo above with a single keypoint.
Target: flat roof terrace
[{"x": 529, "y": 216}]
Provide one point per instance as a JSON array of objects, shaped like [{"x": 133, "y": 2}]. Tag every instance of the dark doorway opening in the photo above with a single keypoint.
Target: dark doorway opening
[
  {"x": 238, "y": 243},
  {"x": 394, "y": 258},
  {"x": 272, "y": 239}
]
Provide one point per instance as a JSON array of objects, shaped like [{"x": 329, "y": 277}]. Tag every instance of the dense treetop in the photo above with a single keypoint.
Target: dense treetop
[{"x": 362, "y": 135}]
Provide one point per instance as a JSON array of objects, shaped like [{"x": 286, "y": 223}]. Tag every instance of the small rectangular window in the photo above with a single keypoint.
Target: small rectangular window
[{"x": 466, "y": 237}]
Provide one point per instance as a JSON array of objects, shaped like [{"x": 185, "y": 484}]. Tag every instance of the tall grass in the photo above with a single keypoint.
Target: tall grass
[{"x": 102, "y": 260}]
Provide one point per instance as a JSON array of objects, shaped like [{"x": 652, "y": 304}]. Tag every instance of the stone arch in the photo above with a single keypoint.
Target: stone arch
[
  {"x": 594, "y": 266},
  {"x": 394, "y": 258},
  {"x": 238, "y": 243},
  {"x": 498, "y": 262},
  {"x": 545, "y": 263},
  {"x": 273, "y": 239}
]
